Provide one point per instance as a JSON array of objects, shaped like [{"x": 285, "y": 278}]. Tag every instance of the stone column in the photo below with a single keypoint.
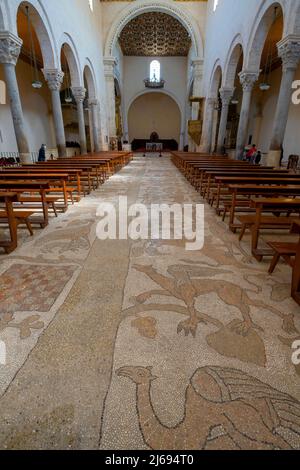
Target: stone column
[
  {"x": 79, "y": 94},
  {"x": 205, "y": 146},
  {"x": 247, "y": 80},
  {"x": 54, "y": 78},
  {"x": 94, "y": 105},
  {"x": 226, "y": 96},
  {"x": 197, "y": 86},
  {"x": 109, "y": 65},
  {"x": 289, "y": 51},
  {"x": 10, "y": 47}
]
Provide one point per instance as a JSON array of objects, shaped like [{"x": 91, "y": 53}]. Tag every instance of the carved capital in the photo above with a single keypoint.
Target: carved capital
[
  {"x": 289, "y": 51},
  {"x": 109, "y": 67},
  {"x": 210, "y": 102},
  {"x": 54, "y": 78},
  {"x": 10, "y": 48},
  {"x": 226, "y": 95},
  {"x": 93, "y": 102},
  {"x": 197, "y": 65},
  {"x": 79, "y": 93},
  {"x": 248, "y": 79}
]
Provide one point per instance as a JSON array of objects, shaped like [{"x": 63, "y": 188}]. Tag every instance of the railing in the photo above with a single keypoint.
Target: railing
[{"x": 11, "y": 159}]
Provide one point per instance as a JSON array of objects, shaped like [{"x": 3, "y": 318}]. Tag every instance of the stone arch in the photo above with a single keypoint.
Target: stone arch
[
  {"x": 261, "y": 28},
  {"x": 235, "y": 52},
  {"x": 43, "y": 31},
  {"x": 2, "y": 12},
  {"x": 138, "y": 8},
  {"x": 161, "y": 92},
  {"x": 216, "y": 79},
  {"x": 72, "y": 58},
  {"x": 88, "y": 74},
  {"x": 166, "y": 92},
  {"x": 294, "y": 19}
]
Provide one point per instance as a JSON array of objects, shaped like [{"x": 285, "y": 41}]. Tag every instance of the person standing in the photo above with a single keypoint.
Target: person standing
[{"x": 42, "y": 153}]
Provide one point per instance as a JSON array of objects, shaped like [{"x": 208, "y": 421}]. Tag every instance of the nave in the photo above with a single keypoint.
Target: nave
[{"x": 109, "y": 359}]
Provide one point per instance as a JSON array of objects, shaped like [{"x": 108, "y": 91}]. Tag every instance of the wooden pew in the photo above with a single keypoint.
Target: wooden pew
[
  {"x": 290, "y": 252},
  {"x": 74, "y": 174},
  {"x": 59, "y": 179},
  {"x": 8, "y": 198},
  {"x": 296, "y": 268},
  {"x": 237, "y": 190},
  {"x": 276, "y": 205},
  {"x": 31, "y": 187}
]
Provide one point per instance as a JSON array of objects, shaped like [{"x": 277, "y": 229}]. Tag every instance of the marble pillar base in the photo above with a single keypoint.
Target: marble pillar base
[
  {"x": 25, "y": 158},
  {"x": 273, "y": 158}
]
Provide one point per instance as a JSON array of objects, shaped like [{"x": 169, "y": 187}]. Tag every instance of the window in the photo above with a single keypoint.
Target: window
[
  {"x": 216, "y": 3},
  {"x": 155, "y": 71}
]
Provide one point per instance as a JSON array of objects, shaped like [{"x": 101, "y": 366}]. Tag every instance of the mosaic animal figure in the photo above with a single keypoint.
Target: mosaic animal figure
[
  {"x": 249, "y": 412},
  {"x": 186, "y": 283}
]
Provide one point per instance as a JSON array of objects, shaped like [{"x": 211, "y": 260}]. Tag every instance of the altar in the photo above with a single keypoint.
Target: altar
[{"x": 154, "y": 147}]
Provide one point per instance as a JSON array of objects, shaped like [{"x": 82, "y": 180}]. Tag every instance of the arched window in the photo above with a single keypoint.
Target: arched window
[{"x": 155, "y": 71}]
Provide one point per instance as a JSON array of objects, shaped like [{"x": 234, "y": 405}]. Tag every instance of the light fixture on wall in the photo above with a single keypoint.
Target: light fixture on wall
[
  {"x": 68, "y": 97},
  {"x": 234, "y": 99},
  {"x": 265, "y": 85},
  {"x": 36, "y": 83}
]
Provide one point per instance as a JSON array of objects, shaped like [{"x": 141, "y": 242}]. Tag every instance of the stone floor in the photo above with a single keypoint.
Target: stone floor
[{"x": 121, "y": 344}]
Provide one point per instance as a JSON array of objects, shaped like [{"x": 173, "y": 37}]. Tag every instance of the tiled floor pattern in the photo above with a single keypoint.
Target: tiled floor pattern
[{"x": 201, "y": 354}]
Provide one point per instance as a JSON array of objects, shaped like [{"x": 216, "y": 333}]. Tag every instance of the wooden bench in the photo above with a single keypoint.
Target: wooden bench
[
  {"x": 31, "y": 187},
  {"x": 290, "y": 252},
  {"x": 8, "y": 198},
  {"x": 285, "y": 250},
  {"x": 21, "y": 217},
  {"x": 59, "y": 180},
  {"x": 241, "y": 190},
  {"x": 266, "y": 222},
  {"x": 270, "y": 204}
]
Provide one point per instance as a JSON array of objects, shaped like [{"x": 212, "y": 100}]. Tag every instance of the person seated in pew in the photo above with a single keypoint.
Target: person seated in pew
[
  {"x": 251, "y": 154},
  {"x": 258, "y": 158}
]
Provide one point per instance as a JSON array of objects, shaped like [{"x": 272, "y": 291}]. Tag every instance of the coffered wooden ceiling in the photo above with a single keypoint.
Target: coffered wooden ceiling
[{"x": 154, "y": 34}]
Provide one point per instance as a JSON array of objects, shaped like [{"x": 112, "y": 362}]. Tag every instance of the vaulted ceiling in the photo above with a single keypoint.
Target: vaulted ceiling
[{"x": 154, "y": 34}]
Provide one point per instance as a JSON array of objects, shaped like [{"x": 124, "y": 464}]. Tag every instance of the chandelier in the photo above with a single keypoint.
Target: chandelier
[
  {"x": 265, "y": 85},
  {"x": 36, "y": 83},
  {"x": 153, "y": 82}
]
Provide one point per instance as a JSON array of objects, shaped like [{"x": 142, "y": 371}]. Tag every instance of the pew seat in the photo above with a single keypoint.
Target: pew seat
[
  {"x": 35, "y": 199},
  {"x": 287, "y": 251},
  {"x": 21, "y": 217},
  {"x": 266, "y": 222}
]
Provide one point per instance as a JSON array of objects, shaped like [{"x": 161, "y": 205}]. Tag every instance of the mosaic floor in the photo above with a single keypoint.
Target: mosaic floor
[{"x": 122, "y": 344}]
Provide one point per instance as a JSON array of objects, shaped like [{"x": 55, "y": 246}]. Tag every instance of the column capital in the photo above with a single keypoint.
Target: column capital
[
  {"x": 197, "y": 65},
  {"x": 109, "y": 66},
  {"x": 289, "y": 52},
  {"x": 210, "y": 101},
  {"x": 93, "y": 102},
  {"x": 10, "y": 48},
  {"x": 248, "y": 79},
  {"x": 79, "y": 93},
  {"x": 54, "y": 78},
  {"x": 226, "y": 94}
]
